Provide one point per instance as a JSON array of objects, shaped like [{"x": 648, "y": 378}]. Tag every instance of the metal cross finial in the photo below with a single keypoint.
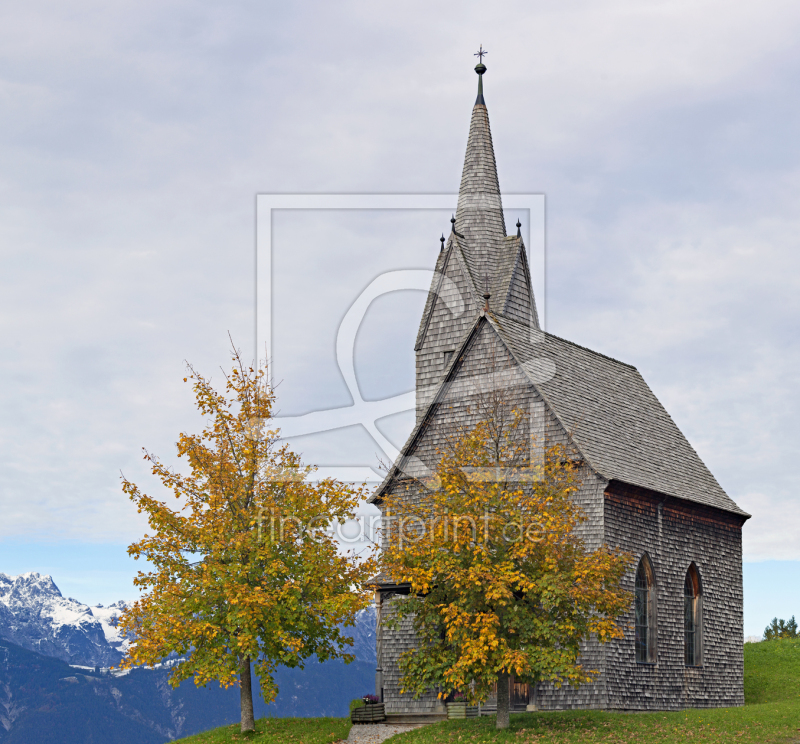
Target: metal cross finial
[{"x": 479, "y": 54}]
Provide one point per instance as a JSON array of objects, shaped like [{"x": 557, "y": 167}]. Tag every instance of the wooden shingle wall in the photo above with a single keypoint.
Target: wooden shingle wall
[
  {"x": 395, "y": 642},
  {"x": 593, "y": 654},
  {"x": 454, "y": 313},
  {"x": 674, "y": 534}
]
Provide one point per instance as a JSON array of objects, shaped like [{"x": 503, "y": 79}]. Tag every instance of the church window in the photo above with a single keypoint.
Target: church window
[
  {"x": 691, "y": 617},
  {"x": 448, "y": 355},
  {"x": 644, "y": 610}
]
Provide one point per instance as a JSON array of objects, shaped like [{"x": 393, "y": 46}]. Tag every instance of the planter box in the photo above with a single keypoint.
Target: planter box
[
  {"x": 456, "y": 710},
  {"x": 369, "y": 713}
]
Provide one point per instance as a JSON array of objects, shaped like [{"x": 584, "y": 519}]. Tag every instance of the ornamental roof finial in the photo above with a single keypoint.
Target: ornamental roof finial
[{"x": 480, "y": 68}]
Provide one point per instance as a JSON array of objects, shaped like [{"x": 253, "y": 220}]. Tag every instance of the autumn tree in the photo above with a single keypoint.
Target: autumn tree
[
  {"x": 500, "y": 582},
  {"x": 245, "y": 567}
]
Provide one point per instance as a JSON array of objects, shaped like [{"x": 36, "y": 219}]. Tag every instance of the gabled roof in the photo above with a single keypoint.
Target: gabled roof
[
  {"x": 512, "y": 262},
  {"x": 616, "y": 422},
  {"x": 508, "y": 257},
  {"x": 436, "y": 284}
]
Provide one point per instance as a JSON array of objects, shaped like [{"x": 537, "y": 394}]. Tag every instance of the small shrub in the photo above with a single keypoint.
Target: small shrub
[{"x": 357, "y": 703}]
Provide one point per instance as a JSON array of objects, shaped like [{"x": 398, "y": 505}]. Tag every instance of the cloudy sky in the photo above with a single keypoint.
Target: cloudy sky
[{"x": 134, "y": 138}]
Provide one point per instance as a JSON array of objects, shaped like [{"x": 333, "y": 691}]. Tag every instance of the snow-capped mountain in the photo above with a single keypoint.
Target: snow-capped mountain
[
  {"x": 35, "y": 615},
  {"x": 44, "y": 700},
  {"x": 107, "y": 617}
]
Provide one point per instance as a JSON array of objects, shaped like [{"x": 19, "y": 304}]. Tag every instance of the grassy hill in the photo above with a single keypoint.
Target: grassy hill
[
  {"x": 772, "y": 672},
  {"x": 771, "y": 715}
]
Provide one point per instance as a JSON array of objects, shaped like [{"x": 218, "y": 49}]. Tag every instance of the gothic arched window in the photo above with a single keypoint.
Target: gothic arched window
[
  {"x": 645, "y": 612},
  {"x": 692, "y": 620}
]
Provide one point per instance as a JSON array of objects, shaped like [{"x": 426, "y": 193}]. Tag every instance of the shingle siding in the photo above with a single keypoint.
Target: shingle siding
[
  {"x": 674, "y": 534},
  {"x": 444, "y": 329},
  {"x": 394, "y": 643}
]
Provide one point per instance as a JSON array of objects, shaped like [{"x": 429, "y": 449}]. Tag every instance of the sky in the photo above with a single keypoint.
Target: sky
[{"x": 135, "y": 138}]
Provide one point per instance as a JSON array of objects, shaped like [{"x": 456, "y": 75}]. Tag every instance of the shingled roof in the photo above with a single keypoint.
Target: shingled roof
[
  {"x": 479, "y": 217},
  {"x": 615, "y": 419}
]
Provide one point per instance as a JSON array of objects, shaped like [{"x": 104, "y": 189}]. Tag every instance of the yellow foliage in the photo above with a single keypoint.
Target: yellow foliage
[
  {"x": 245, "y": 567},
  {"x": 499, "y": 581}
]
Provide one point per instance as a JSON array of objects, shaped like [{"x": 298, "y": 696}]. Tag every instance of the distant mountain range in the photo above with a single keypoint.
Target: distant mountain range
[
  {"x": 44, "y": 700},
  {"x": 34, "y": 615}
]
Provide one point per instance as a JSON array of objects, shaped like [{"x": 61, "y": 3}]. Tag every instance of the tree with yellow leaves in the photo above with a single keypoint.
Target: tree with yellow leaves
[
  {"x": 271, "y": 588},
  {"x": 499, "y": 581}
]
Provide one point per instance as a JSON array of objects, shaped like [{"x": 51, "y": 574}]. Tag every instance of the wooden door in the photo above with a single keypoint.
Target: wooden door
[{"x": 518, "y": 694}]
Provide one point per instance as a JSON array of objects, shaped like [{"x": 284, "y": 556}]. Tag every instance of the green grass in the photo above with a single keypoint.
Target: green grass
[
  {"x": 771, "y": 715},
  {"x": 772, "y": 671},
  {"x": 279, "y": 731},
  {"x": 755, "y": 724}
]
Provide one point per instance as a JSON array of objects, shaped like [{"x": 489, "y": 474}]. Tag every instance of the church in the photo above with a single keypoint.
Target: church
[{"x": 643, "y": 489}]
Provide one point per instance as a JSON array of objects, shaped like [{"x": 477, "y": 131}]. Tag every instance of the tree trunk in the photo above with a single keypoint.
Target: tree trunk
[
  {"x": 246, "y": 696},
  {"x": 502, "y": 700}
]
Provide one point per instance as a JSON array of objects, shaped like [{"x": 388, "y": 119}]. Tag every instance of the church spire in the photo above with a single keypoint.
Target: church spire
[{"x": 479, "y": 217}]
